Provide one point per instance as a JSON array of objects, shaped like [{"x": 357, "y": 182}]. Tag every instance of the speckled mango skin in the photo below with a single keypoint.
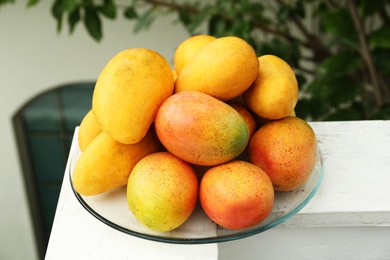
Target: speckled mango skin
[
  {"x": 236, "y": 195},
  {"x": 128, "y": 92},
  {"x": 224, "y": 68},
  {"x": 201, "y": 129},
  {"x": 106, "y": 164},
  {"x": 162, "y": 191},
  {"x": 286, "y": 150}
]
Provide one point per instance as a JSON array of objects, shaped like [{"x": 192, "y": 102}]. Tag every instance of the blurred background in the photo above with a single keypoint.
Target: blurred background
[{"x": 51, "y": 53}]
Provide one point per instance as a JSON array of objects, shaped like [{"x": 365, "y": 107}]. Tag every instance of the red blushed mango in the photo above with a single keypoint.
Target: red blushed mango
[
  {"x": 162, "y": 191},
  {"x": 286, "y": 150},
  {"x": 201, "y": 129},
  {"x": 236, "y": 195},
  {"x": 246, "y": 115}
]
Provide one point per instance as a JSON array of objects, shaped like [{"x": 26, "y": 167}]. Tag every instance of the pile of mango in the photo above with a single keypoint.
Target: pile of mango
[{"x": 218, "y": 128}]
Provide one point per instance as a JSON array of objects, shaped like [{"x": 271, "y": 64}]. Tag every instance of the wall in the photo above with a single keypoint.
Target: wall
[{"x": 33, "y": 58}]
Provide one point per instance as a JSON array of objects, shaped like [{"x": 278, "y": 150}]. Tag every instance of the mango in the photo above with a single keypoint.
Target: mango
[
  {"x": 224, "y": 69},
  {"x": 128, "y": 92},
  {"x": 106, "y": 164},
  {"x": 236, "y": 195},
  {"x": 162, "y": 191},
  {"x": 274, "y": 93},
  {"x": 88, "y": 130},
  {"x": 286, "y": 149},
  {"x": 246, "y": 115},
  {"x": 201, "y": 129},
  {"x": 187, "y": 50}
]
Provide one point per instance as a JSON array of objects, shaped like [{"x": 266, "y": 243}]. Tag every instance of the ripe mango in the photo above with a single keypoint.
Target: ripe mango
[
  {"x": 201, "y": 129},
  {"x": 286, "y": 149},
  {"x": 162, "y": 191},
  {"x": 274, "y": 93},
  {"x": 129, "y": 91},
  {"x": 88, "y": 130},
  {"x": 224, "y": 68},
  {"x": 106, "y": 164},
  {"x": 187, "y": 50},
  {"x": 246, "y": 115},
  {"x": 236, "y": 195}
]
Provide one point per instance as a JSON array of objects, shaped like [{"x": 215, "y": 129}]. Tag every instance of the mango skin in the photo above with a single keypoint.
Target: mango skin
[
  {"x": 224, "y": 68},
  {"x": 162, "y": 191},
  {"x": 286, "y": 150},
  {"x": 201, "y": 129},
  {"x": 129, "y": 91},
  {"x": 187, "y": 50},
  {"x": 274, "y": 94},
  {"x": 88, "y": 130},
  {"x": 246, "y": 115},
  {"x": 106, "y": 164},
  {"x": 236, "y": 195}
]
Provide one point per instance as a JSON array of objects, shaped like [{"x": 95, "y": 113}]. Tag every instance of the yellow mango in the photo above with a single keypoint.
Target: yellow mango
[
  {"x": 129, "y": 91},
  {"x": 224, "y": 69},
  {"x": 106, "y": 164},
  {"x": 274, "y": 93},
  {"x": 187, "y": 50},
  {"x": 88, "y": 130}
]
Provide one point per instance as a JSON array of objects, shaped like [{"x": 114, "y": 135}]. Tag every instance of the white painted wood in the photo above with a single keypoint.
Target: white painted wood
[
  {"x": 76, "y": 234},
  {"x": 330, "y": 243},
  {"x": 349, "y": 217},
  {"x": 355, "y": 189}
]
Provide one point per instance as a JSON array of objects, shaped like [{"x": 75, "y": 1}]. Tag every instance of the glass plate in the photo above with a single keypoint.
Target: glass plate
[{"x": 111, "y": 208}]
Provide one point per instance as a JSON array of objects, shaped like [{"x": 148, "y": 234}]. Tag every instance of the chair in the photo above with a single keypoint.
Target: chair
[{"x": 44, "y": 128}]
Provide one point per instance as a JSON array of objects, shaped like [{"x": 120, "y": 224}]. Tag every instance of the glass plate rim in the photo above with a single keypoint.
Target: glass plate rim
[{"x": 204, "y": 240}]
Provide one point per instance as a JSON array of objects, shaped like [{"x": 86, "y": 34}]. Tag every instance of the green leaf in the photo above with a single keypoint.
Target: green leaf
[
  {"x": 283, "y": 14},
  {"x": 145, "y": 20},
  {"x": 31, "y": 3},
  {"x": 71, "y": 5},
  {"x": 300, "y": 9},
  {"x": 198, "y": 19},
  {"x": 342, "y": 63},
  {"x": 257, "y": 14},
  {"x": 383, "y": 113},
  {"x": 335, "y": 90},
  {"x": 73, "y": 19},
  {"x": 380, "y": 38},
  {"x": 290, "y": 52},
  {"x": 312, "y": 108},
  {"x": 369, "y": 7},
  {"x": 108, "y": 9},
  {"x": 344, "y": 90},
  {"x": 218, "y": 26},
  {"x": 345, "y": 114},
  {"x": 130, "y": 13},
  {"x": 289, "y": 11},
  {"x": 185, "y": 17},
  {"x": 302, "y": 80},
  {"x": 57, "y": 11},
  {"x": 381, "y": 58},
  {"x": 92, "y": 23},
  {"x": 338, "y": 23},
  {"x": 3, "y": 2}
]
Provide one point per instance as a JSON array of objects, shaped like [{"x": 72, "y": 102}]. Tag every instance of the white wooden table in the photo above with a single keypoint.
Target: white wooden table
[{"x": 349, "y": 217}]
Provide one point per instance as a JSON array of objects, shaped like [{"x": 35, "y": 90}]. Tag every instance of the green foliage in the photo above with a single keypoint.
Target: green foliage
[
  {"x": 3, "y": 2},
  {"x": 340, "y": 50}
]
